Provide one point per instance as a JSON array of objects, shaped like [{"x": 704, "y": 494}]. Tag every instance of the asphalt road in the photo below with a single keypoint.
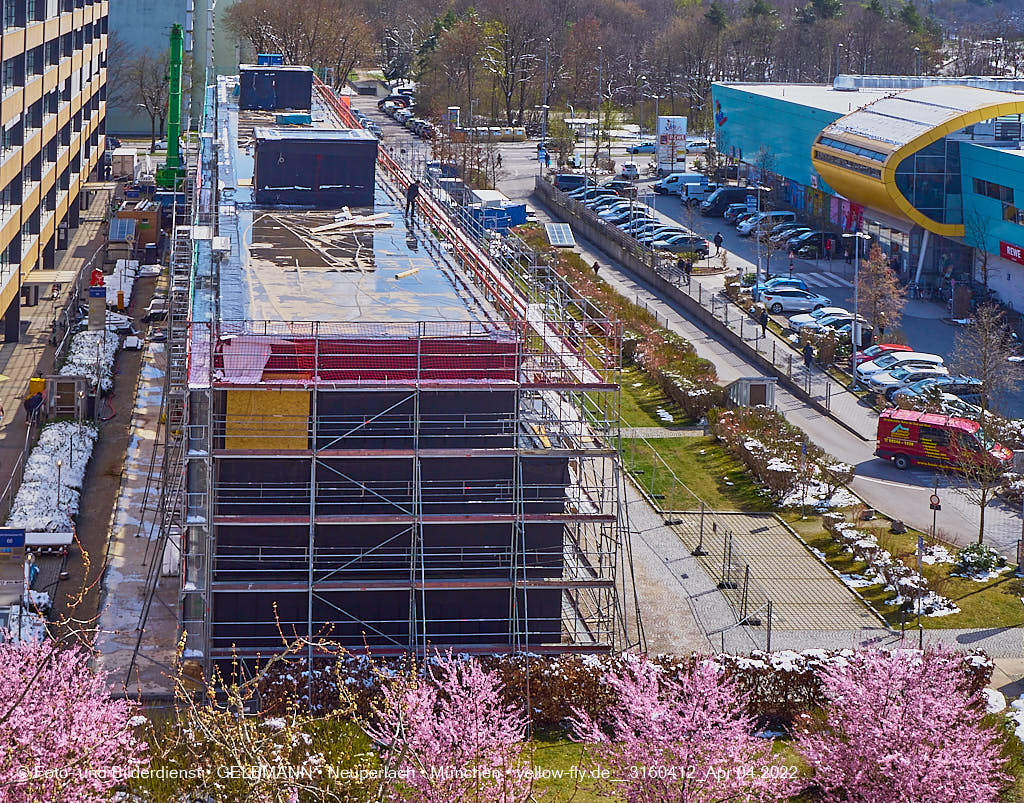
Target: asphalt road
[{"x": 899, "y": 494}]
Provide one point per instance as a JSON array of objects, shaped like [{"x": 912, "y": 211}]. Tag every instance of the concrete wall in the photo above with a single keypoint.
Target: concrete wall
[{"x": 786, "y": 129}]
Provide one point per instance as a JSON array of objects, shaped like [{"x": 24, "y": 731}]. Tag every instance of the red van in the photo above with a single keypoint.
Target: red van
[{"x": 909, "y": 437}]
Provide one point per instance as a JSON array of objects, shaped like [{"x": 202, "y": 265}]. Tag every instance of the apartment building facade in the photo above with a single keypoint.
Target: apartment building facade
[{"x": 52, "y": 112}]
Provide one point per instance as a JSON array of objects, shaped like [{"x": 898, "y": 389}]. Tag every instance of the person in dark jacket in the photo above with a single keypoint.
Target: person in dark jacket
[
  {"x": 808, "y": 355},
  {"x": 411, "y": 194},
  {"x": 718, "y": 240},
  {"x": 764, "y": 322}
]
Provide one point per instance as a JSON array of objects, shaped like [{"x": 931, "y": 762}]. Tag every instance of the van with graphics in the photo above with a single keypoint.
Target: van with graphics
[{"x": 912, "y": 437}]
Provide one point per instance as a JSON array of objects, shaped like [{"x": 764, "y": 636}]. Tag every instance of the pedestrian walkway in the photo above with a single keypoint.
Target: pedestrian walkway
[
  {"x": 131, "y": 555},
  {"x": 662, "y": 432},
  {"x": 33, "y": 354},
  {"x": 816, "y": 279}
]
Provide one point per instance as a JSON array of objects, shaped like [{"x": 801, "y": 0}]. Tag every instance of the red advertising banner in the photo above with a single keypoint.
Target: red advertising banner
[{"x": 1014, "y": 253}]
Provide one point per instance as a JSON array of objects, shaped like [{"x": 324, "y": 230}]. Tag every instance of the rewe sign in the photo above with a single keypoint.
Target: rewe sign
[{"x": 1014, "y": 253}]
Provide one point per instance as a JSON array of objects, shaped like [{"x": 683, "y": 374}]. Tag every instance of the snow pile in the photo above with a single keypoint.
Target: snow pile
[
  {"x": 38, "y": 601},
  {"x": 1016, "y": 717},
  {"x": 92, "y": 355},
  {"x": 121, "y": 280},
  {"x": 26, "y": 626},
  {"x": 664, "y": 415},
  {"x": 896, "y": 577},
  {"x": 995, "y": 701},
  {"x": 934, "y": 553},
  {"x": 48, "y": 497},
  {"x": 817, "y": 497}
]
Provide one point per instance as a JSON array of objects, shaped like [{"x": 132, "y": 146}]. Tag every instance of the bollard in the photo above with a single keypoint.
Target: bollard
[
  {"x": 828, "y": 397},
  {"x": 773, "y": 352},
  {"x": 789, "y": 371},
  {"x": 742, "y": 319}
]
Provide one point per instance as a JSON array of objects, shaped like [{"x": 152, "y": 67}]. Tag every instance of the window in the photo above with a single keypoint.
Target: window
[
  {"x": 857, "y": 150},
  {"x": 847, "y": 164},
  {"x": 934, "y": 435},
  {"x": 52, "y": 51},
  {"x": 34, "y": 61},
  {"x": 991, "y": 190}
]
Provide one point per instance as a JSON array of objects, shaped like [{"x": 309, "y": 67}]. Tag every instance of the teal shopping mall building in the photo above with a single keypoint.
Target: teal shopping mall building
[{"x": 931, "y": 168}]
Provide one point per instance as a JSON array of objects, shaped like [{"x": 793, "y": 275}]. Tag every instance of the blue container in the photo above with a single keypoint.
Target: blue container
[{"x": 269, "y": 59}]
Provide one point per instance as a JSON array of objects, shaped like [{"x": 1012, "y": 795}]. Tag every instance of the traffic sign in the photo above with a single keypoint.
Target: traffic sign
[{"x": 933, "y": 502}]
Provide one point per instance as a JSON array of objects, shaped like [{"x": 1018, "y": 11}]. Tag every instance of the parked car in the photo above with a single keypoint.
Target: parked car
[
  {"x": 835, "y": 321},
  {"x": 778, "y": 282},
  {"x": 400, "y": 101},
  {"x": 910, "y": 437},
  {"x": 963, "y": 387},
  {"x": 790, "y": 299},
  {"x": 894, "y": 359},
  {"x": 796, "y": 321},
  {"x": 877, "y": 350},
  {"x": 732, "y": 211},
  {"x": 584, "y": 194},
  {"x": 647, "y": 146},
  {"x": 812, "y": 243},
  {"x": 613, "y": 205},
  {"x": 571, "y": 181},
  {"x": 888, "y": 382},
  {"x": 683, "y": 244},
  {"x": 658, "y": 233},
  {"x": 764, "y": 220},
  {"x": 722, "y": 198},
  {"x": 626, "y": 189},
  {"x": 954, "y": 405},
  {"x": 697, "y": 145},
  {"x": 779, "y": 240},
  {"x": 620, "y": 215}
]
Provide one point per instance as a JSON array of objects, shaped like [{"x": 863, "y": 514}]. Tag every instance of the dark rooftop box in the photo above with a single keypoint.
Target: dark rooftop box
[
  {"x": 273, "y": 87},
  {"x": 315, "y": 167}
]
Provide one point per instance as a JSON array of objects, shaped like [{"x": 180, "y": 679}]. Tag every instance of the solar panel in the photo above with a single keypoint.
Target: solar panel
[{"x": 560, "y": 235}]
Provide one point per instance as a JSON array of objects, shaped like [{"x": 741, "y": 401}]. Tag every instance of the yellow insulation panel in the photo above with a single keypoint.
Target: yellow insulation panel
[{"x": 267, "y": 419}]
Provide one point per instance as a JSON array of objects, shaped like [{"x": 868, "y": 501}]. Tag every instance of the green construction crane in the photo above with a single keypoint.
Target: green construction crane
[{"x": 173, "y": 170}]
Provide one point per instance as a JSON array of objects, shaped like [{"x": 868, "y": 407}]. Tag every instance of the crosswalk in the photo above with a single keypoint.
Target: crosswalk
[{"x": 815, "y": 279}]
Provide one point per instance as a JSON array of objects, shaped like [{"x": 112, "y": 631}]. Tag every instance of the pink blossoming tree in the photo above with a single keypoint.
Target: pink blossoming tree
[
  {"x": 449, "y": 736},
  {"x": 61, "y": 736},
  {"x": 902, "y": 727},
  {"x": 682, "y": 738}
]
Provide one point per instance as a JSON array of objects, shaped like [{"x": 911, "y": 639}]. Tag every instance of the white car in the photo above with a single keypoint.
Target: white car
[
  {"x": 796, "y": 321},
  {"x": 630, "y": 171},
  {"x": 767, "y": 221},
  {"x": 897, "y": 359},
  {"x": 789, "y": 299},
  {"x": 888, "y": 382},
  {"x": 697, "y": 145},
  {"x": 836, "y": 321}
]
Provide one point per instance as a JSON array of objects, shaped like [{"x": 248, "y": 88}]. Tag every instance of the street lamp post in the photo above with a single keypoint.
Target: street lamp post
[
  {"x": 855, "y": 328},
  {"x": 760, "y": 188},
  {"x": 600, "y": 98},
  {"x": 917, "y": 59},
  {"x": 544, "y": 117},
  {"x": 839, "y": 50}
]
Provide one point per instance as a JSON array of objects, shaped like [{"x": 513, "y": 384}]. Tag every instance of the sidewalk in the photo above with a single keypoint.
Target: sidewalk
[{"x": 33, "y": 355}]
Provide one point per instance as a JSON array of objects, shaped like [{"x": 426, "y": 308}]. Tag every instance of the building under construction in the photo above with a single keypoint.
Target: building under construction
[{"x": 378, "y": 433}]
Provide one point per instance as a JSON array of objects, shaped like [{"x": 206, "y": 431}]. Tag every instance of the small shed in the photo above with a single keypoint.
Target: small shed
[{"x": 752, "y": 391}]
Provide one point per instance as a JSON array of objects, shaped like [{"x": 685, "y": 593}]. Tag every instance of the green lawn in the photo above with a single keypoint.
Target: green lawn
[
  {"x": 642, "y": 397},
  {"x": 702, "y": 465},
  {"x": 995, "y": 603}
]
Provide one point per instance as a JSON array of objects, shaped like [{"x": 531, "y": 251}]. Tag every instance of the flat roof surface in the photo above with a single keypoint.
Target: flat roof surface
[
  {"x": 277, "y": 67},
  {"x": 304, "y": 134},
  {"x": 816, "y": 96},
  {"x": 903, "y": 117},
  {"x": 279, "y": 269}
]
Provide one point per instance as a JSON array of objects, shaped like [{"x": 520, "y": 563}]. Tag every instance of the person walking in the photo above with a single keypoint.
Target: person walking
[
  {"x": 828, "y": 251},
  {"x": 718, "y": 240},
  {"x": 808, "y": 355},
  {"x": 497, "y": 160},
  {"x": 411, "y": 194},
  {"x": 547, "y": 159},
  {"x": 597, "y": 267},
  {"x": 849, "y": 256},
  {"x": 764, "y": 322},
  {"x": 688, "y": 270}
]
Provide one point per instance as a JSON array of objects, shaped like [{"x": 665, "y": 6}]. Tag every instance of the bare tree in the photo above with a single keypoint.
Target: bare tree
[
  {"x": 120, "y": 55},
  {"x": 148, "y": 81},
  {"x": 882, "y": 297},
  {"x": 979, "y": 478},
  {"x": 983, "y": 349},
  {"x": 977, "y": 229}
]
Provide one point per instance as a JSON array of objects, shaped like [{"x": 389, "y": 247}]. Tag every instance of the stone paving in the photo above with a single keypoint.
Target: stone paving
[{"x": 805, "y": 593}]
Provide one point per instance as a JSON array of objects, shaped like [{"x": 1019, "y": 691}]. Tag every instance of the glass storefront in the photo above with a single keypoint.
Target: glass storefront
[{"x": 930, "y": 180}]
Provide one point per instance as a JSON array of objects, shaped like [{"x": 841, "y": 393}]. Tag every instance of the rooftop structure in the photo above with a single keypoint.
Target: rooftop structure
[{"x": 383, "y": 443}]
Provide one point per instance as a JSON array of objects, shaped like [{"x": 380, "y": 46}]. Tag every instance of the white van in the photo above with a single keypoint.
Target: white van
[
  {"x": 673, "y": 184},
  {"x": 766, "y": 221}
]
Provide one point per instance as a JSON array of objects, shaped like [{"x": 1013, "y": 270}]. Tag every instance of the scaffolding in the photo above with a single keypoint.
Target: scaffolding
[{"x": 400, "y": 486}]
